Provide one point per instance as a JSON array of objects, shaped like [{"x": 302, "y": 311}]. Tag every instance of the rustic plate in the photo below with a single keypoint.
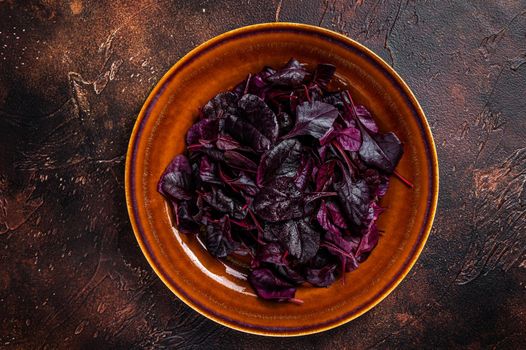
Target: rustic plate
[{"x": 219, "y": 291}]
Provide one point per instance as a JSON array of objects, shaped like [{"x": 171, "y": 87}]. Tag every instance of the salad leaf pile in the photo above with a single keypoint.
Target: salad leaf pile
[{"x": 287, "y": 173}]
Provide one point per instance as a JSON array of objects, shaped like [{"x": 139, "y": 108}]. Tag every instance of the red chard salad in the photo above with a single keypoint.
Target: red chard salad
[{"x": 286, "y": 174}]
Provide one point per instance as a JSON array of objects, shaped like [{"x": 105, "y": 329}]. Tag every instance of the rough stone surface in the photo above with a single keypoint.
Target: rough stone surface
[{"x": 73, "y": 76}]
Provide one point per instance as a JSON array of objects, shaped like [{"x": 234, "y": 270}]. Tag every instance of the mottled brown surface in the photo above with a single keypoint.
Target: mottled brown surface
[{"x": 73, "y": 76}]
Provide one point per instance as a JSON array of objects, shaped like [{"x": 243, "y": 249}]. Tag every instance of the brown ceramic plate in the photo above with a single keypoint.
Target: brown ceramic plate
[{"x": 218, "y": 290}]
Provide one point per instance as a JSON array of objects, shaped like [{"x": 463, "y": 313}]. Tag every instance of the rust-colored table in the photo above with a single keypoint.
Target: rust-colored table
[{"x": 73, "y": 76}]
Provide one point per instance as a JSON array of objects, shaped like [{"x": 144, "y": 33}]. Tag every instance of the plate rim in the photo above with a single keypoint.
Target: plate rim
[{"x": 431, "y": 207}]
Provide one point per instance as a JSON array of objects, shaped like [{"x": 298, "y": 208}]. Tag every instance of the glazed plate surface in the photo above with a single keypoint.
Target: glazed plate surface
[{"x": 219, "y": 290}]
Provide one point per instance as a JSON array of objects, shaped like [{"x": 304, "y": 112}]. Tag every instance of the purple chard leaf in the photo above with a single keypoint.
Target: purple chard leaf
[
  {"x": 247, "y": 133},
  {"x": 269, "y": 286},
  {"x": 281, "y": 161},
  {"x": 314, "y": 118},
  {"x": 323, "y": 74},
  {"x": 298, "y": 237},
  {"x": 258, "y": 114},
  {"x": 218, "y": 240},
  {"x": 175, "y": 181},
  {"x": 381, "y": 151},
  {"x": 222, "y": 104},
  {"x": 354, "y": 197},
  {"x": 293, "y": 74}
]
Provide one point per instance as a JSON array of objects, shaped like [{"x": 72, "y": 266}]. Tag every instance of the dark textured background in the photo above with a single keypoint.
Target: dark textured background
[{"x": 73, "y": 76}]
